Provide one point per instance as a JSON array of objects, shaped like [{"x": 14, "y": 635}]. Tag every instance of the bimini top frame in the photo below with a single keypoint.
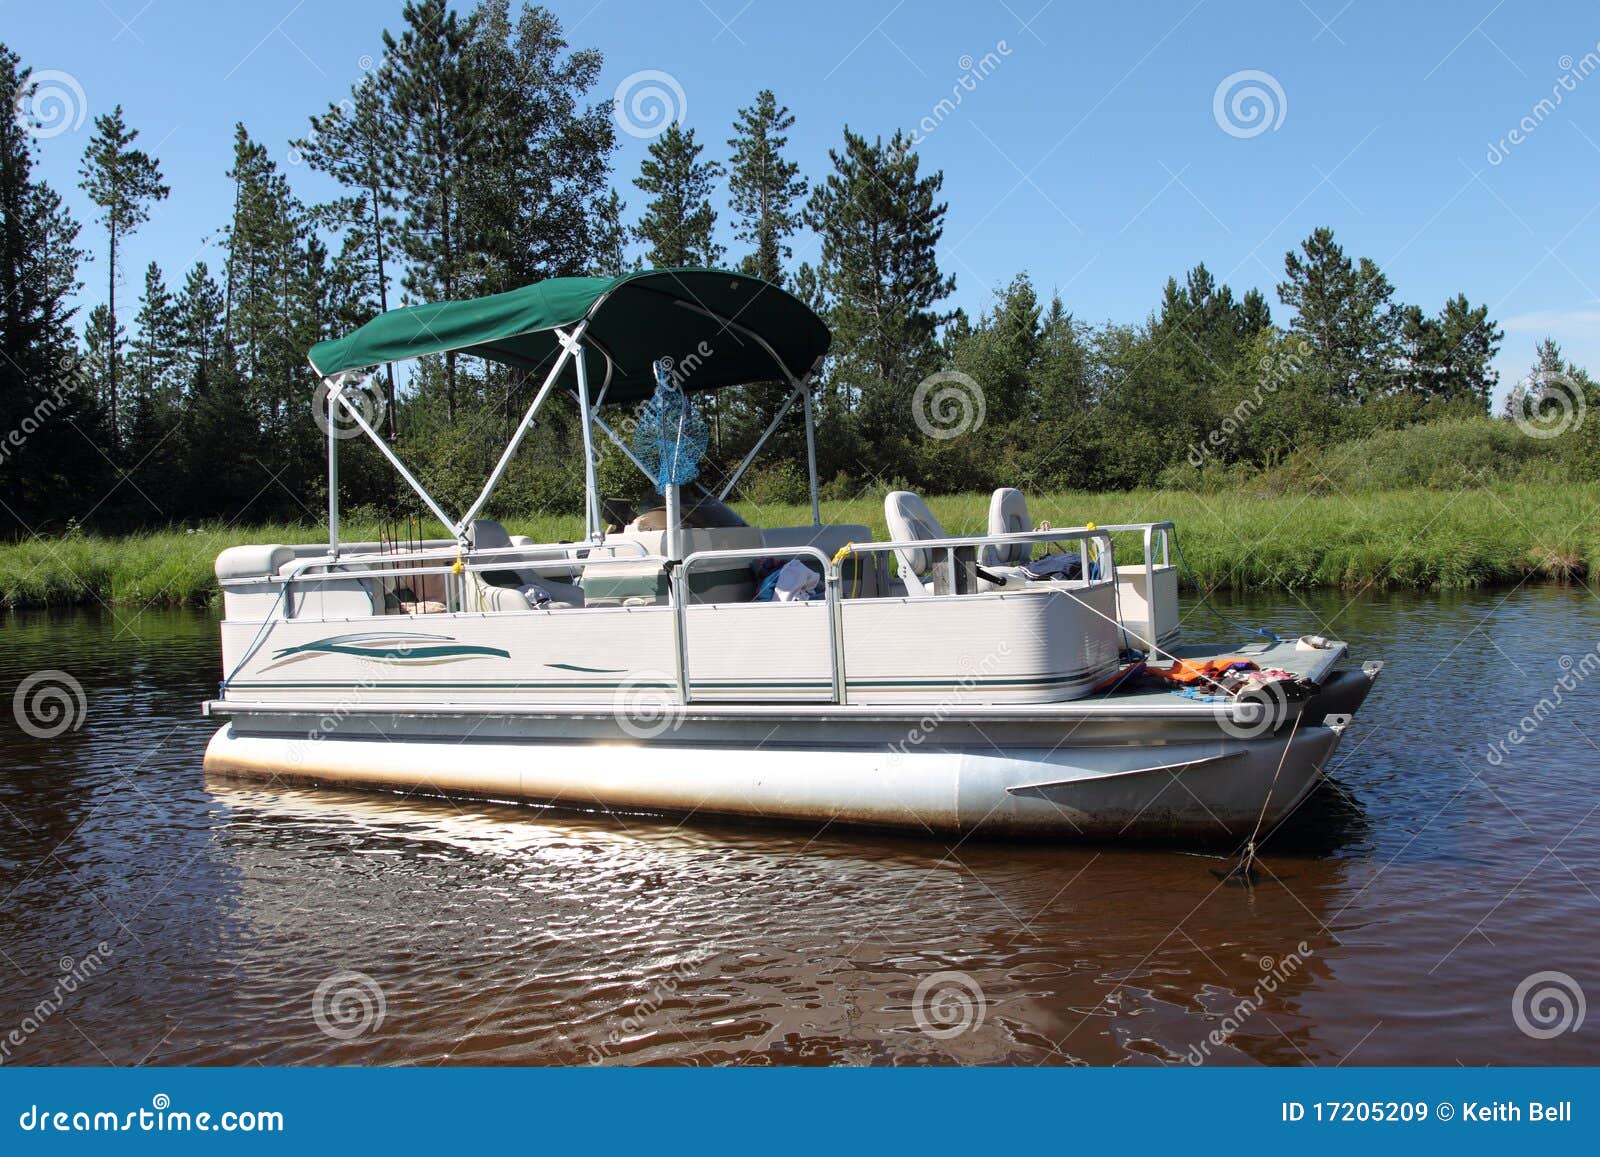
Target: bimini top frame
[{"x": 719, "y": 329}]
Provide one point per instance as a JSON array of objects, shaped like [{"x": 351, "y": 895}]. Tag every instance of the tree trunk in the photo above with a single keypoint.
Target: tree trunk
[
  {"x": 111, "y": 350},
  {"x": 383, "y": 302}
]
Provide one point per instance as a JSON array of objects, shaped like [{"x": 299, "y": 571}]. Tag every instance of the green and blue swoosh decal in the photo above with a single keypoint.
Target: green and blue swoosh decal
[{"x": 391, "y": 647}]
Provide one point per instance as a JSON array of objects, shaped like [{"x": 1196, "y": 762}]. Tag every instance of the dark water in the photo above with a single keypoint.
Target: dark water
[{"x": 150, "y": 916}]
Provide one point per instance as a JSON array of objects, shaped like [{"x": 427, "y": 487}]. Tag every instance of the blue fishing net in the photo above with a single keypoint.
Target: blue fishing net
[{"x": 671, "y": 436}]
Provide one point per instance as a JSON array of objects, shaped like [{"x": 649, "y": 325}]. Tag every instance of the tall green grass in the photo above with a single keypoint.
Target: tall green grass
[{"x": 1233, "y": 540}]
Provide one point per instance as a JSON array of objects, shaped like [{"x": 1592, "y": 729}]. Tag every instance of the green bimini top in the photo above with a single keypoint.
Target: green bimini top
[{"x": 696, "y": 317}]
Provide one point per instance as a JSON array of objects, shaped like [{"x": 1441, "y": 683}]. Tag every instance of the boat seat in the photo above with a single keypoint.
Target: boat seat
[
  {"x": 627, "y": 583},
  {"x": 1008, "y": 514},
  {"x": 507, "y": 589},
  {"x": 909, "y": 519}
]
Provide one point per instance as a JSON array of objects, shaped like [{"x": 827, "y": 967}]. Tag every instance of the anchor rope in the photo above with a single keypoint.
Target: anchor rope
[{"x": 1248, "y": 857}]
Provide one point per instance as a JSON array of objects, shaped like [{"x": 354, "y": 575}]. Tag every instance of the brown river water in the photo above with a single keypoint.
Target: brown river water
[{"x": 1403, "y": 916}]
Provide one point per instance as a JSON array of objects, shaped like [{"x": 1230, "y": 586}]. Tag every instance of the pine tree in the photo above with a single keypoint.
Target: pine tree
[
  {"x": 153, "y": 359},
  {"x": 279, "y": 307},
  {"x": 763, "y": 187},
  {"x": 42, "y": 400},
  {"x": 610, "y": 237},
  {"x": 1469, "y": 343},
  {"x": 1346, "y": 312},
  {"x": 123, "y": 181},
  {"x": 439, "y": 111},
  {"x": 354, "y": 142},
  {"x": 679, "y": 221},
  {"x": 880, "y": 223},
  {"x": 542, "y": 156}
]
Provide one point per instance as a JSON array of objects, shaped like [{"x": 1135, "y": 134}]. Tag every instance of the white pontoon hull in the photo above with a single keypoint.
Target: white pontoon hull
[{"x": 1090, "y": 779}]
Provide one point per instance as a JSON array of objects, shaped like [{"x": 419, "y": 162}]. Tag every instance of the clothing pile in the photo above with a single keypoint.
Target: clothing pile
[
  {"x": 1213, "y": 680},
  {"x": 795, "y": 581},
  {"x": 1054, "y": 566}
]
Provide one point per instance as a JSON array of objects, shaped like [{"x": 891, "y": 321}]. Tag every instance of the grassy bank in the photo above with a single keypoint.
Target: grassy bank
[{"x": 1425, "y": 539}]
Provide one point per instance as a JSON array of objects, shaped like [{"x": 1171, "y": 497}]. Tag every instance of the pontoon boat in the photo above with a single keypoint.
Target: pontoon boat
[{"x": 687, "y": 663}]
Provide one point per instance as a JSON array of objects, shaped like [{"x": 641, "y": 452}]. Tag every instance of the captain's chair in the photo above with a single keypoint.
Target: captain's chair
[
  {"x": 1008, "y": 514},
  {"x": 910, "y": 520}
]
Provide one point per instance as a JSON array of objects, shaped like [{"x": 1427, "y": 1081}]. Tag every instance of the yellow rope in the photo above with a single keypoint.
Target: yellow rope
[{"x": 845, "y": 552}]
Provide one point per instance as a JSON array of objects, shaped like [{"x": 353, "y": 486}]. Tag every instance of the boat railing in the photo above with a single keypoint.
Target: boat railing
[
  {"x": 452, "y": 562},
  {"x": 1155, "y": 540},
  {"x": 680, "y": 590}
]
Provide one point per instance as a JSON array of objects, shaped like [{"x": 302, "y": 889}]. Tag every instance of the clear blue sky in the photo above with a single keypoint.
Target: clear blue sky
[{"x": 1089, "y": 156}]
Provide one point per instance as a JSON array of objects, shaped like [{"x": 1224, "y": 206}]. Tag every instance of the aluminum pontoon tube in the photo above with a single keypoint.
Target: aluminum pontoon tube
[{"x": 1206, "y": 789}]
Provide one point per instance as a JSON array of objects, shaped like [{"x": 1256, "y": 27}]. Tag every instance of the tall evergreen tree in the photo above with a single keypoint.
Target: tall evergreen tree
[
  {"x": 543, "y": 153},
  {"x": 41, "y": 399},
  {"x": 880, "y": 221},
  {"x": 679, "y": 222},
  {"x": 610, "y": 237},
  {"x": 439, "y": 110},
  {"x": 153, "y": 362},
  {"x": 764, "y": 188},
  {"x": 354, "y": 142},
  {"x": 1470, "y": 341},
  {"x": 123, "y": 182},
  {"x": 1346, "y": 313}
]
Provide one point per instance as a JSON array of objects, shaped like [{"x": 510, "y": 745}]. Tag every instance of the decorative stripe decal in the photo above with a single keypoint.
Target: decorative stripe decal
[{"x": 392, "y": 646}]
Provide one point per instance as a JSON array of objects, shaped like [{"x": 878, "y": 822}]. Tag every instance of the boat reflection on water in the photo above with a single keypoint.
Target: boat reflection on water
[{"x": 604, "y": 939}]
